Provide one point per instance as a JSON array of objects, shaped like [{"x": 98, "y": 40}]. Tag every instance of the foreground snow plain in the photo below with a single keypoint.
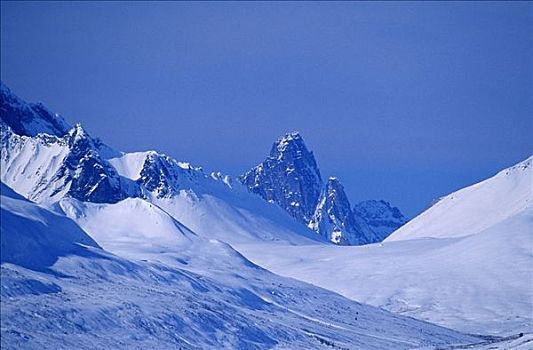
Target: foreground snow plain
[{"x": 179, "y": 292}]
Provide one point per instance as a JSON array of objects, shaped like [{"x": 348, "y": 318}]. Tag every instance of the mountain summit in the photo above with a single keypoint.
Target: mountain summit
[
  {"x": 29, "y": 119},
  {"x": 290, "y": 177}
]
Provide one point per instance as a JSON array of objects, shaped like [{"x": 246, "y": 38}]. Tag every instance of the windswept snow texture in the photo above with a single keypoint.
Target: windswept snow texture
[
  {"x": 515, "y": 342},
  {"x": 35, "y": 238},
  {"x": 475, "y": 278},
  {"x": 188, "y": 293}
]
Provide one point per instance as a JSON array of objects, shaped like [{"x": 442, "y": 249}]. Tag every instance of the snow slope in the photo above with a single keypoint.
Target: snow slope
[
  {"x": 132, "y": 222},
  {"x": 194, "y": 294},
  {"x": 478, "y": 283},
  {"x": 34, "y": 237},
  {"x": 212, "y": 205},
  {"x": 474, "y": 208}
]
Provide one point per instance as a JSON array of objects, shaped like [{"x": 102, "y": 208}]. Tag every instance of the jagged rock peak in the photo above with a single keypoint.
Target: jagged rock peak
[
  {"x": 66, "y": 161},
  {"x": 165, "y": 176},
  {"x": 334, "y": 218},
  {"x": 333, "y": 180},
  {"x": 289, "y": 177},
  {"x": 290, "y": 142},
  {"x": 29, "y": 119},
  {"x": 77, "y": 132}
]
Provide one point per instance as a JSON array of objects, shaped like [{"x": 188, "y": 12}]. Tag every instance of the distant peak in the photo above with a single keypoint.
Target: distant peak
[
  {"x": 77, "y": 134},
  {"x": 292, "y": 135},
  {"x": 290, "y": 138},
  {"x": 77, "y": 131},
  {"x": 290, "y": 142}
]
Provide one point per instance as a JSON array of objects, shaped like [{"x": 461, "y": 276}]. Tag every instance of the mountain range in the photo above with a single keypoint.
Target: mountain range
[
  {"x": 71, "y": 162},
  {"x": 105, "y": 249}
]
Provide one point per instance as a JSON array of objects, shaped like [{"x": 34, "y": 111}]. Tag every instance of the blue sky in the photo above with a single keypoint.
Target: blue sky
[{"x": 401, "y": 101}]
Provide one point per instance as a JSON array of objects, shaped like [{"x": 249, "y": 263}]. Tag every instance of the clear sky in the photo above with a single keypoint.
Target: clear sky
[{"x": 401, "y": 101}]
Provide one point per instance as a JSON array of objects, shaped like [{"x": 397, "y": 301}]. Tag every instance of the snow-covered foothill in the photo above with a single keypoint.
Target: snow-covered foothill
[{"x": 474, "y": 208}]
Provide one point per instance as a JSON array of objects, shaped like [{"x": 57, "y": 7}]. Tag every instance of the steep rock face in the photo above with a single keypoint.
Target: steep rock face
[
  {"x": 165, "y": 176},
  {"x": 380, "y": 216},
  {"x": 288, "y": 177},
  {"x": 43, "y": 158},
  {"x": 93, "y": 178},
  {"x": 46, "y": 167},
  {"x": 334, "y": 217},
  {"x": 29, "y": 119}
]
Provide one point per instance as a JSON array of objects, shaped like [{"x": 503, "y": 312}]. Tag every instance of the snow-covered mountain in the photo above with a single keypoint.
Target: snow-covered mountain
[
  {"x": 475, "y": 208},
  {"x": 45, "y": 167},
  {"x": 46, "y": 160},
  {"x": 212, "y": 205},
  {"x": 29, "y": 119},
  {"x": 290, "y": 178},
  {"x": 465, "y": 263}
]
